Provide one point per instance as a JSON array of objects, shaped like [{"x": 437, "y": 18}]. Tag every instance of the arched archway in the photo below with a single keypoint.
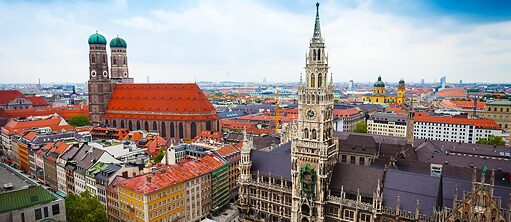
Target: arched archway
[
  {"x": 208, "y": 125},
  {"x": 138, "y": 125},
  {"x": 122, "y": 123},
  {"x": 313, "y": 134},
  {"x": 306, "y": 133},
  {"x": 146, "y": 126},
  {"x": 106, "y": 122},
  {"x": 155, "y": 126},
  {"x": 320, "y": 80},
  {"x": 130, "y": 125},
  {"x": 114, "y": 123}
]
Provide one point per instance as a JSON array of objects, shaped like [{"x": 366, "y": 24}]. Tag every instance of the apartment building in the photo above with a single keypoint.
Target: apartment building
[
  {"x": 387, "y": 124},
  {"x": 454, "y": 129}
]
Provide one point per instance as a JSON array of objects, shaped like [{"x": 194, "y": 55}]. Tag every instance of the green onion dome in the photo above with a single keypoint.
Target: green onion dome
[
  {"x": 118, "y": 43},
  {"x": 97, "y": 39},
  {"x": 379, "y": 83}
]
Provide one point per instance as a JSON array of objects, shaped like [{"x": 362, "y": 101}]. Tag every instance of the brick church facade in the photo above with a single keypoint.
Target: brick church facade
[{"x": 176, "y": 111}]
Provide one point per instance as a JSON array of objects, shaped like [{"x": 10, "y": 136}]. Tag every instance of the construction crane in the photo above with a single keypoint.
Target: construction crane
[{"x": 277, "y": 110}]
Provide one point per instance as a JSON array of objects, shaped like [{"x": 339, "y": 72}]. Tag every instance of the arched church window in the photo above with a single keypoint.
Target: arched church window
[
  {"x": 106, "y": 122},
  {"x": 193, "y": 130},
  {"x": 130, "y": 125},
  {"x": 124, "y": 61},
  {"x": 115, "y": 61},
  {"x": 146, "y": 126},
  {"x": 313, "y": 134},
  {"x": 104, "y": 59},
  {"x": 319, "y": 54},
  {"x": 114, "y": 123},
  {"x": 180, "y": 130},
  {"x": 93, "y": 59},
  {"x": 306, "y": 133},
  {"x": 163, "y": 130},
  {"x": 320, "y": 80},
  {"x": 122, "y": 123},
  {"x": 172, "y": 129},
  {"x": 208, "y": 125},
  {"x": 138, "y": 125},
  {"x": 314, "y": 56},
  {"x": 155, "y": 126},
  {"x": 313, "y": 81}
]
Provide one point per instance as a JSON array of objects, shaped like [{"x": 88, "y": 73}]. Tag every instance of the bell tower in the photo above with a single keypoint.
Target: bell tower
[
  {"x": 314, "y": 151},
  {"x": 119, "y": 61},
  {"x": 100, "y": 88}
]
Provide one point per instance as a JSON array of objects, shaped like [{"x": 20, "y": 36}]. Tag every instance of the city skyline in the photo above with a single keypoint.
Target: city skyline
[{"x": 249, "y": 41}]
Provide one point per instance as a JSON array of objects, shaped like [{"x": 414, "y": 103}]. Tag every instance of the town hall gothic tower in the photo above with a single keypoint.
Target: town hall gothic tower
[{"x": 314, "y": 151}]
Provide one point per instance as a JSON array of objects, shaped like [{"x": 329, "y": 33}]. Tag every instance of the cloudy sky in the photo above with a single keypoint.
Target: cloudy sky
[{"x": 242, "y": 40}]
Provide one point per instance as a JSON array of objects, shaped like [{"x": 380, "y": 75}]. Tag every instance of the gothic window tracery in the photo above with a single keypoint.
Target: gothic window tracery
[
  {"x": 313, "y": 134},
  {"x": 313, "y": 80}
]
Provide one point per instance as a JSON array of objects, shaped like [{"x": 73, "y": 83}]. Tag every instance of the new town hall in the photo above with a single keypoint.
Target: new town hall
[{"x": 323, "y": 177}]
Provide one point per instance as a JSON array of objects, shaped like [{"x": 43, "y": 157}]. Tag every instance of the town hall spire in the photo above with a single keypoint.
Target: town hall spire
[{"x": 317, "y": 29}]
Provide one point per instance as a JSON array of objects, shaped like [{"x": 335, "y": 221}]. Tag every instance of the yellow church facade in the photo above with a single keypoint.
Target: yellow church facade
[{"x": 379, "y": 95}]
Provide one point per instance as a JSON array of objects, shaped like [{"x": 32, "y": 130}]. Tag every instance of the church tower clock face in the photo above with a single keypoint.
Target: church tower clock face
[{"x": 310, "y": 113}]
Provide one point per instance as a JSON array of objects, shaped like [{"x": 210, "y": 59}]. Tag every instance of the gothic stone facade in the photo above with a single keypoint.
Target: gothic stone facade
[{"x": 309, "y": 182}]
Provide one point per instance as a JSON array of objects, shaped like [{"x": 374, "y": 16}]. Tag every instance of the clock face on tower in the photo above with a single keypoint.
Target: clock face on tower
[{"x": 310, "y": 113}]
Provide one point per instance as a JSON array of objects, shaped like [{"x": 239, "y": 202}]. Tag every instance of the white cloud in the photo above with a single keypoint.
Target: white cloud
[{"x": 251, "y": 41}]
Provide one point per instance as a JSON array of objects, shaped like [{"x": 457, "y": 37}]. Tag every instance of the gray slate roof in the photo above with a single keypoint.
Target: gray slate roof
[
  {"x": 349, "y": 177},
  {"x": 276, "y": 164}
]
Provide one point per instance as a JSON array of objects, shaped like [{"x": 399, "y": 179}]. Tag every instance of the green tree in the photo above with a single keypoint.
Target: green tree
[
  {"x": 492, "y": 140},
  {"x": 361, "y": 127},
  {"x": 79, "y": 120},
  {"x": 84, "y": 207},
  {"x": 159, "y": 156}
]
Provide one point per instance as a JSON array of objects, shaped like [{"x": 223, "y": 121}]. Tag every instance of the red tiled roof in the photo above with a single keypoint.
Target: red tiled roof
[
  {"x": 112, "y": 188},
  {"x": 59, "y": 147},
  {"x": 172, "y": 174},
  {"x": 7, "y": 96},
  {"x": 227, "y": 150},
  {"x": 478, "y": 123},
  {"x": 345, "y": 112},
  {"x": 208, "y": 135},
  {"x": 55, "y": 123},
  {"x": 30, "y": 135},
  {"x": 63, "y": 111},
  {"x": 154, "y": 143},
  {"x": 396, "y": 110},
  {"x": 452, "y": 92},
  {"x": 38, "y": 101},
  {"x": 258, "y": 117},
  {"x": 175, "y": 101}
]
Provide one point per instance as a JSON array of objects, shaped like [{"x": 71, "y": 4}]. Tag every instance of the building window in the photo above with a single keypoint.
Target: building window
[
  {"x": 38, "y": 214},
  {"x": 130, "y": 125},
  {"x": 352, "y": 159},
  {"x": 55, "y": 209},
  {"x": 172, "y": 134},
  {"x": 193, "y": 130},
  {"x": 114, "y": 123},
  {"x": 146, "y": 126},
  {"x": 180, "y": 130},
  {"x": 164, "y": 130},
  {"x": 349, "y": 214},
  {"x": 138, "y": 125},
  {"x": 45, "y": 212},
  {"x": 155, "y": 127},
  {"x": 208, "y": 125}
]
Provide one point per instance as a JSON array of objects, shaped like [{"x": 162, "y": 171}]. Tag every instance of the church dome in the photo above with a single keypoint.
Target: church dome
[
  {"x": 118, "y": 43},
  {"x": 97, "y": 39},
  {"x": 401, "y": 82},
  {"x": 379, "y": 83}
]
